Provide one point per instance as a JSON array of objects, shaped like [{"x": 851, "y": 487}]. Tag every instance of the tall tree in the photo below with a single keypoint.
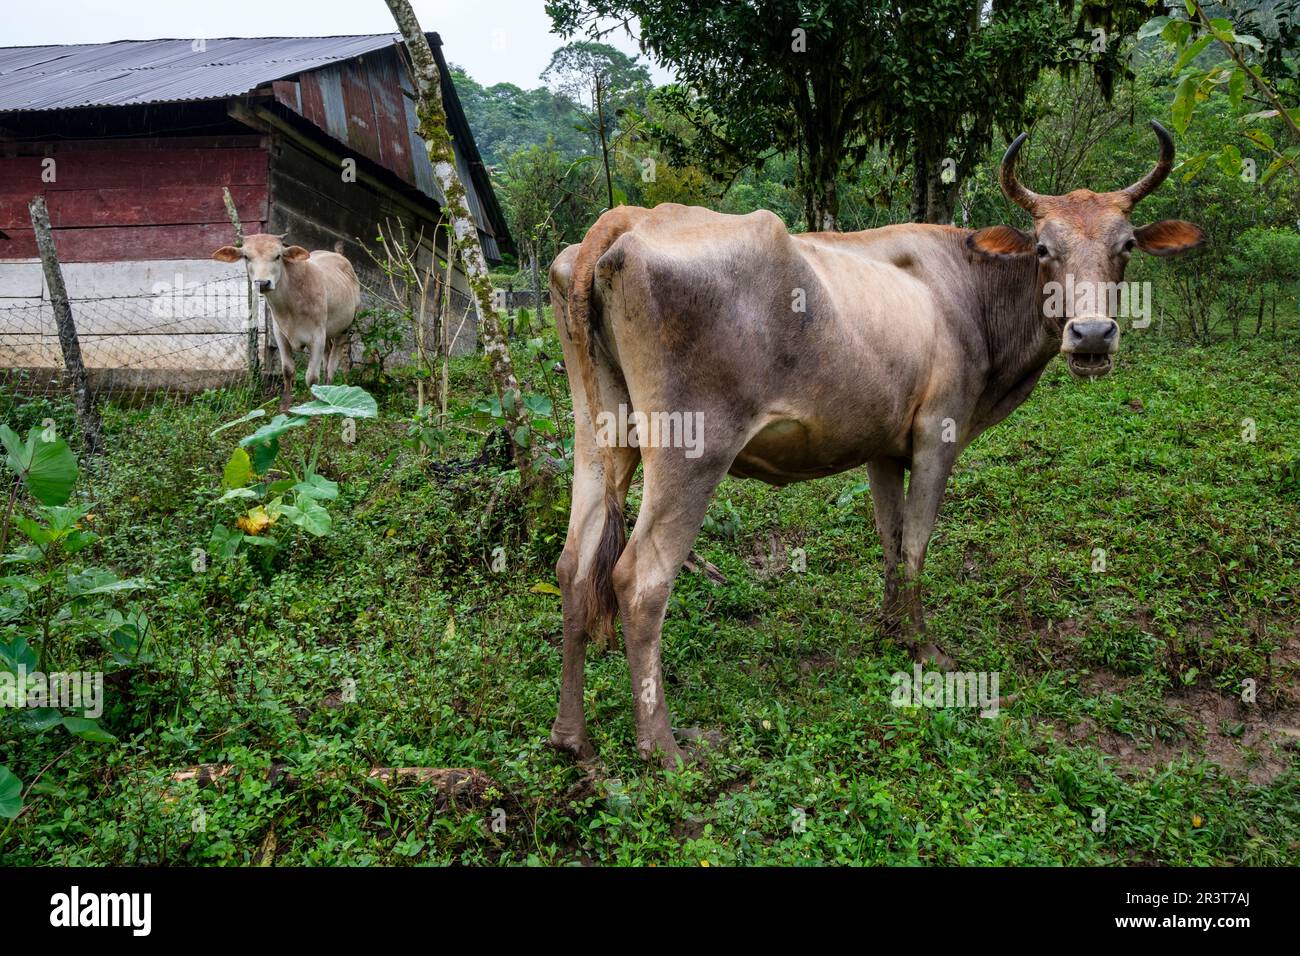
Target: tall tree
[
  {"x": 533, "y": 186},
  {"x": 824, "y": 80},
  {"x": 431, "y": 118},
  {"x": 602, "y": 81}
]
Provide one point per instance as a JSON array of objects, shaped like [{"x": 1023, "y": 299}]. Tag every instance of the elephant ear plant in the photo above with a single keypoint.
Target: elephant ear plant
[
  {"x": 272, "y": 493},
  {"x": 49, "y": 602}
]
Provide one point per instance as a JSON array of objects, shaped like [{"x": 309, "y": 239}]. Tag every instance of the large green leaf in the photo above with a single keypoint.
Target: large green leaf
[
  {"x": 88, "y": 729},
  {"x": 1184, "y": 103},
  {"x": 224, "y": 541},
  {"x": 318, "y": 487},
  {"x": 13, "y": 446},
  {"x": 307, "y": 514},
  {"x": 255, "y": 413},
  {"x": 11, "y": 794},
  {"x": 98, "y": 581},
  {"x": 273, "y": 429},
  {"x": 36, "y": 719},
  {"x": 48, "y": 468},
  {"x": 264, "y": 456},
  {"x": 345, "y": 400},
  {"x": 238, "y": 471}
]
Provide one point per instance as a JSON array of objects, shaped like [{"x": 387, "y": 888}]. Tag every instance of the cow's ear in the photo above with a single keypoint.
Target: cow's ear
[
  {"x": 227, "y": 254},
  {"x": 1000, "y": 242},
  {"x": 296, "y": 253},
  {"x": 1168, "y": 237}
]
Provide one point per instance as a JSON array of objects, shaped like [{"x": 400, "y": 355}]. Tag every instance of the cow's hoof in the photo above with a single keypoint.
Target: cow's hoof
[
  {"x": 931, "y": 655},
  {"x": 572, "y": 743},
  {"x": 664, "y": 752}
]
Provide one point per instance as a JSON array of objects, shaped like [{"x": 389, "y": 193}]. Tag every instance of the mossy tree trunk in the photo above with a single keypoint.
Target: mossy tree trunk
[{"x": 432, "y": 127}]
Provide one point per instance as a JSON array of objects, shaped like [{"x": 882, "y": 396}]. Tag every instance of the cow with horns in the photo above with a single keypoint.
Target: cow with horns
[{"x": 800, "y": 356}]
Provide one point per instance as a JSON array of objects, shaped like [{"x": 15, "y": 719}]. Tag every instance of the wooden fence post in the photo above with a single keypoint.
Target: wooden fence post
[
  {"x": 87, "y": 413},
  {"x": 254, "y": 356}
]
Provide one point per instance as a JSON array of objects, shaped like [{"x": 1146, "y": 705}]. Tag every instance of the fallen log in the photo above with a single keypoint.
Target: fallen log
[{"x": 466, "y": 782}]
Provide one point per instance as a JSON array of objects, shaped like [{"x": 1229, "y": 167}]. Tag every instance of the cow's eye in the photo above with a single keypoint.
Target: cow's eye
[
  {"x": 1042, "y": 251},
  {"x": 1130, "y": 244}
]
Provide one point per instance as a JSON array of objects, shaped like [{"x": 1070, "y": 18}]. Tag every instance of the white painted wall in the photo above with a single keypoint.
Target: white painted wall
[{"x": 182, "y": 314}]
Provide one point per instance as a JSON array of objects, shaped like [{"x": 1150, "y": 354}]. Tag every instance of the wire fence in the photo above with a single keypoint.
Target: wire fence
[{"x": 178, "y": 340}]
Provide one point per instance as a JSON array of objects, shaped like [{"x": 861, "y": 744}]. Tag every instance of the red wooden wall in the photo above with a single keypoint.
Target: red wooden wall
[{"x": 133, "y": 199}]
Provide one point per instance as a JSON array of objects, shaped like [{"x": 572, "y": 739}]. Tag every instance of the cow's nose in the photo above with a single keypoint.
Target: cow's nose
[
  {"x": 1092, "y": 335},
  {"x": 263, "y": 285}
]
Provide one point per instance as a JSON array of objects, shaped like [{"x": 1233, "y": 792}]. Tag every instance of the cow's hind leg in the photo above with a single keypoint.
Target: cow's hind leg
[
  {"x": 676, "y": 497},
  {"x": 333, "y": 356},
  {"x": 596, "y": 531}
]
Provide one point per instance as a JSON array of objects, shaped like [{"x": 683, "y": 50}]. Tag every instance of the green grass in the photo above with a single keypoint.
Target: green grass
[{"x": 455, "y": 666}]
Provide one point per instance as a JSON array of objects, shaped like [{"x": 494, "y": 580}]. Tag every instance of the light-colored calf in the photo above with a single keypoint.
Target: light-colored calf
[{"x": 314, "y": 297}]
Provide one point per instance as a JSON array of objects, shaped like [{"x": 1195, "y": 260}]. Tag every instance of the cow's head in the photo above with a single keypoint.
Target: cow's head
[
  {"x": 265, "y": 256},
  {"x": 1082, "y": 242}
]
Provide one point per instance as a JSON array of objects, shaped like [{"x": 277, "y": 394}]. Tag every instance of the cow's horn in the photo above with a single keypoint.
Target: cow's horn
[
  {"x": 1135, "y": 193},
  {"x": 1018, "y": 194}
]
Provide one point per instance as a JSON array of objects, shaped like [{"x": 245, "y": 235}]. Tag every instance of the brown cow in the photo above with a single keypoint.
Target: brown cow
[
  {"x": 803, "y": 356},
  {"x": 314, "y": 297}
]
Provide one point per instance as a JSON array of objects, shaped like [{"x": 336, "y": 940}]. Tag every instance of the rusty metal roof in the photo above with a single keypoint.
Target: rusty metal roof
[
  {"x": 363, "y": 104},
  {"x": 134, "y": 72}
]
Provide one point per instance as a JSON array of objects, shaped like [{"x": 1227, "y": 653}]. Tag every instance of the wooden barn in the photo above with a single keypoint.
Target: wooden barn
[{"x": 132, "y": 143}]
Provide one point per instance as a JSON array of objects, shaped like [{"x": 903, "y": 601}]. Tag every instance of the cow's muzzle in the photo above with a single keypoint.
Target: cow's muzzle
[
  {"x": 1089, "y": 344},
  {"x": 264, "y": 285}
]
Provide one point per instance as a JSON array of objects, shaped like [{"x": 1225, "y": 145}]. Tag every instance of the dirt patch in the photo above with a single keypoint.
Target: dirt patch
[
  {"x": 816, "y": 661},
  {"x": 1243, "y": 740},
  {"x": 1103, "y": 681},
  {"x": 1240, "y": 738},
  {"x": 771, "y": 556}
]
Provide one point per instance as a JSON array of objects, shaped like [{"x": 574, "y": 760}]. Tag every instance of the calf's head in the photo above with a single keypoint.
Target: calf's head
[
  {"x": 265, "y": 256},
  {"x": 1082, "y": 242}
]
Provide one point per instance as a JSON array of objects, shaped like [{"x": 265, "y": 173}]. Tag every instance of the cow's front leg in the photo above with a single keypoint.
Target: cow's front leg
[
  {"x": 287, "y": 369},
  {"x": 931, "y": 465},
  {"x": 315, "y": 359},
  {"x": 886, "y": 478}
]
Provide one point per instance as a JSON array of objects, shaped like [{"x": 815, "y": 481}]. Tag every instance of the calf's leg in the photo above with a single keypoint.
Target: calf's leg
[
  {"x": 287, "y": 369},
  {"x": 316, "y": 357},
  {"x": 337, "y": 348}
]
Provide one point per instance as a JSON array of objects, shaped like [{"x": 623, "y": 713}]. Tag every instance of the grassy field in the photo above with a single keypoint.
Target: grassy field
[{"x": 1126, "y": 740}]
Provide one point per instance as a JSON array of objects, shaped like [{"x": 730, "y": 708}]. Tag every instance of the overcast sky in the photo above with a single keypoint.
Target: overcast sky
[{"x": 496, "y": 41}]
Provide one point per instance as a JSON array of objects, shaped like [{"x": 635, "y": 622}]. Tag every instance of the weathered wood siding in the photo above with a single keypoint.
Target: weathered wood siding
[
  {"x": 133, "y": 199},
  {"x": 136, "y": 221}
]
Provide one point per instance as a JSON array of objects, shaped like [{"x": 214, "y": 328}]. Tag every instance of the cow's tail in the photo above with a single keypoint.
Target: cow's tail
[{"x": 597, "y": 602}]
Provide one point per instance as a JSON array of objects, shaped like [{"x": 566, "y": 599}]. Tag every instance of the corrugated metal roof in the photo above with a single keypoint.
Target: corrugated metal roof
[{"x": 133, "y": 72}]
